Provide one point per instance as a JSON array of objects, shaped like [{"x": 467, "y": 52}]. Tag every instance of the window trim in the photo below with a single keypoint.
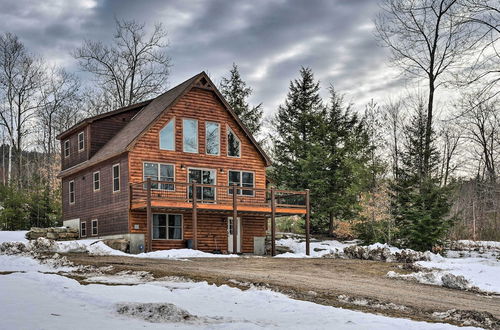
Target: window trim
[
  {"x": 166, "y": 231},
  {"x": 229, "y": 129},
  {"x": 71, "y": 192},
  {"x": 66, "y": 155},
  {"x": 206, "y": 137},
  {"x": 113, "y": 178},
  {"x": 175, "y": 131},
  {"x": 94, "y": 181},
  {"x": 197, "y": 136},
  {"x": 159, "y": 164},
  {"x": 83, "y": 227},
  {"x": 241, "y": 188},
  {"x": 92, "y": 227},
  {"x": 82, "y": 133}
]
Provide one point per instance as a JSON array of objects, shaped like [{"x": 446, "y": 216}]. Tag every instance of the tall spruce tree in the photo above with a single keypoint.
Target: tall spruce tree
[
  {"x": 236, "y": 92},
  {"x": 420, "y": 206},
  {"x": 323, "y": 148},
  {"x": 338, "y": 165},
  {"x": 295, "y": 124}
]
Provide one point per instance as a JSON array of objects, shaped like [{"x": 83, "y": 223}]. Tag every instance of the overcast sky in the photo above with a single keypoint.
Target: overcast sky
[{"x": 268, "y": 39}]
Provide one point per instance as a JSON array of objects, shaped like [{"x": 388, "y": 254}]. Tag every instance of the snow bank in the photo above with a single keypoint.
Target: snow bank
[
  {"x": 318, "y": 249},
  {"x": 13, "y": 236}
]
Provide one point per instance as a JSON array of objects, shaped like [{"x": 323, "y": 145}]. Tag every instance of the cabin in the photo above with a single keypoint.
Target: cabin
[{"x": 177, "y": 171}]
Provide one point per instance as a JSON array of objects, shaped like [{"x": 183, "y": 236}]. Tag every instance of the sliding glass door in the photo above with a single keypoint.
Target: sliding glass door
[{"x": 203, "y": 176}]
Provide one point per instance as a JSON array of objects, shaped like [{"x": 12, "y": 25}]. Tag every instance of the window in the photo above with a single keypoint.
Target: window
[
  {"x": 241, "y": 179},
  {"x": 66, "y": 148},
  {"x": 159, "y": 172},
  {"x": 97, "y": 181},
  {"x": 81, "y": 141},
  {"x": 94, "y": 227},
  {"x": 167, "y": 226},
  {"x": 71, "y": 192},
  {"x": 190, "y": 135},
  {"x": 233, "y": 144},
  {"x": 167, "y": 136},
  {"x": 83, "y": 229},
  {"x": 212, "y": 138},
  {"x": 116, "y": 177},
  {"x": 203, "y": 176}
]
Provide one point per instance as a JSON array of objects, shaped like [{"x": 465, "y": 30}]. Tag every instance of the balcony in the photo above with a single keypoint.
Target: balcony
[{"x": 179, "y": 195}]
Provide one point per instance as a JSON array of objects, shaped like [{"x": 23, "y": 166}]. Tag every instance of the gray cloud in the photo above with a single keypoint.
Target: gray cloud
[{"x": 269, "y": 40}]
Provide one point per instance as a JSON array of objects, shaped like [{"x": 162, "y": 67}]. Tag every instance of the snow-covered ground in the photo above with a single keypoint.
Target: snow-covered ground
[
  {"x": 317, "y": 249},
  {"x": 34, "y": 297},
  {"x": 480, "y": 268}
]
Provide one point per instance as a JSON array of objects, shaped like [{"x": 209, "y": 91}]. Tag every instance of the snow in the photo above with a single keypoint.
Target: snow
[
  {"x": 299, "y": 248},
  {"x": 480, "y": 271},
  {"x": 13, "y": 236},
  {"x": 39, "y": 298}
]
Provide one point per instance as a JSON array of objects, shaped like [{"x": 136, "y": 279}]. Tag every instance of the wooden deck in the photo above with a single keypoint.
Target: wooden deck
[{"x": 231, "y": 200}]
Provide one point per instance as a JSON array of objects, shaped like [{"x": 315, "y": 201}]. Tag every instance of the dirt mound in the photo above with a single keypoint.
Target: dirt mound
[{"x": 469, "y": 318}]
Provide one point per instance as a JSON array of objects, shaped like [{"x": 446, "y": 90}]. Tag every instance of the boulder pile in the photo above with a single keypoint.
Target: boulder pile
[{"x": 53, "y": 233}]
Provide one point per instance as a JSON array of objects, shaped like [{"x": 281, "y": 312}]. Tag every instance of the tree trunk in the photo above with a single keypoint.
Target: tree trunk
[
  {"x": 428, "y": 129},
  {"x": 332, "y": 224}
]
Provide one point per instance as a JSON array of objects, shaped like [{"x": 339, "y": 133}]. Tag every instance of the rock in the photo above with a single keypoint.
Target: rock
[
  {"x": 38, "y": 230},
  {"x": 318, "y": 249},
  {"x": 52, "y": 235},
  {"x": 120, "y": 244}
]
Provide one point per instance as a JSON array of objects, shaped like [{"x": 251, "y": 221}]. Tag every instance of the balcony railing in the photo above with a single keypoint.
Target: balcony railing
[{"x": 182, "y": 192}]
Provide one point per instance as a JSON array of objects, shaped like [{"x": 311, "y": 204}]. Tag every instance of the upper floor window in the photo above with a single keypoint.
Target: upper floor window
[
  {"x": 159, "y": 172},
  {"x": 66, "y": 148},
  {"x": 233, "y": 144},
  {"x": 97, "y": 181},
  {"x": 71, "y": 190},
  {"x": 242, "y": 179},
  {"x": 167, "y": 136},
  {"x": 116, "y": 177},
  {"x": 190, "y": 135},
  {"x": 212, "y": 137},
  {"x": 81, "y": 141}
]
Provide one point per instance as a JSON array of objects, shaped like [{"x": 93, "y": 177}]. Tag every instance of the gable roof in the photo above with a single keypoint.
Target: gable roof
[
  {"x": 89, "y": 120},
  {"x": 125, "y": 139}
]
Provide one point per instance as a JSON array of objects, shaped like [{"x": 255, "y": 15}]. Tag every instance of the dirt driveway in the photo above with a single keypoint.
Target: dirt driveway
[{"x": 354, "y": 284}]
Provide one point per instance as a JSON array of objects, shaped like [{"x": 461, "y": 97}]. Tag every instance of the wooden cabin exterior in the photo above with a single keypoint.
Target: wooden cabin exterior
[{"x": 170, "y": 173}]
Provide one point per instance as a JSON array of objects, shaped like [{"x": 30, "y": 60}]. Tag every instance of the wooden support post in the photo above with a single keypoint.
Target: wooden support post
[
  {"x": 149, "y": 216},
  {"x": 273, "y": 222},
  {"x": 308, "y": 211},
  {"x": 195, "y": 215},
  {"x": 235, "y": 219}
]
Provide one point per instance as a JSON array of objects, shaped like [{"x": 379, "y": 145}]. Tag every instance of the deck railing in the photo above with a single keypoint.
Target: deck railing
[{"x": 216, "y": 194}]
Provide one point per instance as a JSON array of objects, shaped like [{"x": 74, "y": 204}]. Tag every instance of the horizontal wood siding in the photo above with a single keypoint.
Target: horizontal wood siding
[
  {"x": 204, "y": 106},
  {"x": 101, "y": 131},
  {"x": 212, "y": 231},
  {"x": 110, "y": 208}
]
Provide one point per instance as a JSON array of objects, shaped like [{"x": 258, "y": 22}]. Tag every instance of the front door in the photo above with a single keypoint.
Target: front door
[
  {"x": 230, "y": 234},
  {"x": 203, "y": 176}
]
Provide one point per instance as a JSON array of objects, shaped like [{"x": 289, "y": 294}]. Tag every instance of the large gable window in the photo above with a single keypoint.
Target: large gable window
[
  {"x": 242, "y": 179},
  {"x": 233, "y": 144},
  {"x": 190, "y": 135},
  {"x": 212, "y": 133},
  {"x": 81, "y": 141},
  {"x": 167, "y": 136},
  {"x": 167, "y": 226},
  {"x": 159, "y": 172}
]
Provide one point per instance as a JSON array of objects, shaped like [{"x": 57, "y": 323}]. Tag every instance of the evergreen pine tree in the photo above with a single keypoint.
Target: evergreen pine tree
[
  {"x": 236, "y": 92},
  {"x": 420, "y": 206},
  {"x": 294, "y": 135}
]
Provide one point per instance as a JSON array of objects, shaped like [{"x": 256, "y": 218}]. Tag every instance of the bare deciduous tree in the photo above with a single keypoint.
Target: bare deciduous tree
[
  {"x": 135, "y": 67},
  {"x": 427, "y": 39},
  {"x": 20, "y": 78}
]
